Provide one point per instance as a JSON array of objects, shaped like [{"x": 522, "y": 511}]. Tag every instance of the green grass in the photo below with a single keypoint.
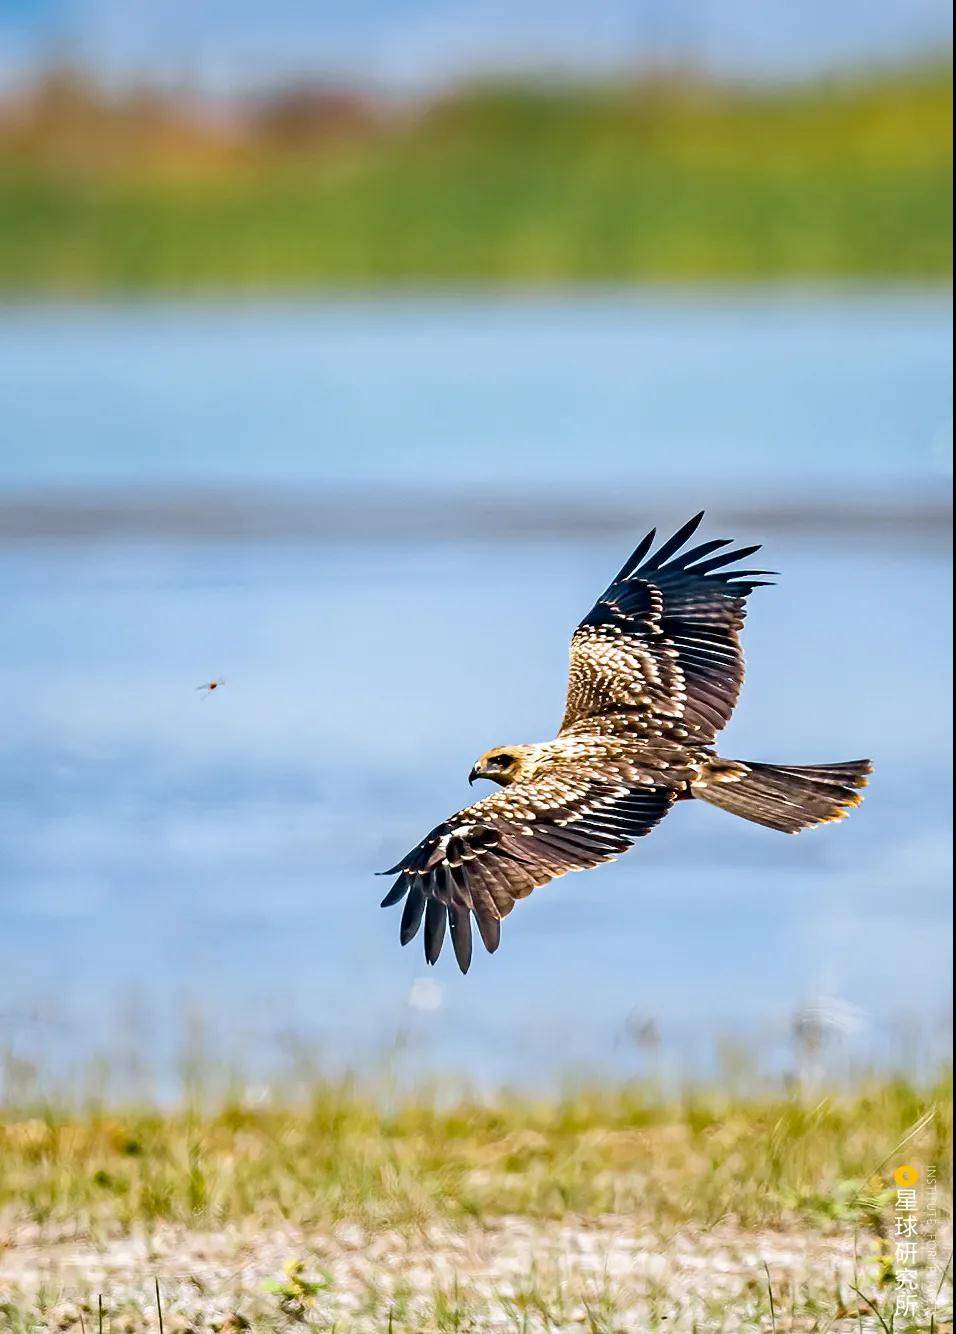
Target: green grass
[
  {"x": 342, "y": 1156},
  {"x": 520, "y": 185},
  {"x": 349, "y": 1212}
]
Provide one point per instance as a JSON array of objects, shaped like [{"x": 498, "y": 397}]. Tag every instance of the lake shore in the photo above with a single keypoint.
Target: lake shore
[
  {"x": 363, "y": 518},
  {"x": 604, "y": 1210}
]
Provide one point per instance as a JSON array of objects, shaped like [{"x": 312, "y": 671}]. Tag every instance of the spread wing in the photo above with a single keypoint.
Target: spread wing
[
  {"x": 479, "y": 862},
  {"x": 663, "y": 638}
]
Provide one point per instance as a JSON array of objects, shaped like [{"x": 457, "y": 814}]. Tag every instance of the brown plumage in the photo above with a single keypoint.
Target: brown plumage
[{"x": 656, "y": 668}]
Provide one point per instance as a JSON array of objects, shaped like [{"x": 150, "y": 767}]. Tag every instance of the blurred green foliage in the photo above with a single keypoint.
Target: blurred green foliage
[{"x": 522, "y": 184}]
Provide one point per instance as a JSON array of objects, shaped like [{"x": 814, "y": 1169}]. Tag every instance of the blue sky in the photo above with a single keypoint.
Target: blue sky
[{"x": 227, "y": 44}]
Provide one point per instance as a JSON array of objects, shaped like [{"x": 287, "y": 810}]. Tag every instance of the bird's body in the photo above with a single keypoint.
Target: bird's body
[{"x": 656, "y": 668}]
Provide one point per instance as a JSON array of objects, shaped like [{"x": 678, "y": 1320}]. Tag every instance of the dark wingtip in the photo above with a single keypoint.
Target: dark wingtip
[
  {"x": 675, "y": 542},
  {"x": 412, "y": 914},
  {"x": 725, "y": 558},
  {"x": 435, "y": 918},
  {"x": 397, "y": 892},
  {"x": 489, "y": 928},
  {"x": 460, "y": 923},
  {"x": 684, "y": 560},
  {"x": 636, "y": 556}
]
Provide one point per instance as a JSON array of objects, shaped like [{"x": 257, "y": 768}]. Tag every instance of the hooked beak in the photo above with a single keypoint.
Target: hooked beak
[{"x": 475, "y": 773}]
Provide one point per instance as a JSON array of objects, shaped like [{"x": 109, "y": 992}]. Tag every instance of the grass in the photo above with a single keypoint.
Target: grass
[
  {"x": 603, "y": 1210},
  {"x": 524, "y": 185}
]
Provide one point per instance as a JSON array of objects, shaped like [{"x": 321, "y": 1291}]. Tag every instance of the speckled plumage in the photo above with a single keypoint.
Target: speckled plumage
[{"x": 656, "y": 668}]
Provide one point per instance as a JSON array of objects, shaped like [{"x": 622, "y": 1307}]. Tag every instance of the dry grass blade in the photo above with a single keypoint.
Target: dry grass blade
[
  {"x": 925, "y": 1120},
  {"x": 773, "y": 1311},
  {"x": 936, "y": 1295},
  {"x": 875, "y": 1309}
]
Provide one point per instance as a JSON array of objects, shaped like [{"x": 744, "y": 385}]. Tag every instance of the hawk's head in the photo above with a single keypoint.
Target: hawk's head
[{"x": 504, "y": 764}]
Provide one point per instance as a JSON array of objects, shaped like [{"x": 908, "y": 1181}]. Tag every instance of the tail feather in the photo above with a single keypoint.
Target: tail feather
[{"x": 788, "y": 797}]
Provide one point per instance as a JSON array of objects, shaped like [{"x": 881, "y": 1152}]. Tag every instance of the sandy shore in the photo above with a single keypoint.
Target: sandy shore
[{"x": 518, "y": 1274}]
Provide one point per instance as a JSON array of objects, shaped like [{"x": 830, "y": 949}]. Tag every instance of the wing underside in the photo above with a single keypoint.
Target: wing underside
[{"x": 477, "y": 864}]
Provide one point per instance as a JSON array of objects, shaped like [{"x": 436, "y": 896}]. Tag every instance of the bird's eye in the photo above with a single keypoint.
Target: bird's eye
[{"x": 502, "y": 761}]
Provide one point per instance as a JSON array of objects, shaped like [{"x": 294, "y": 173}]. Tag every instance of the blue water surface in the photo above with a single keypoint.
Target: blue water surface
[{"x": 171, "y": 861}]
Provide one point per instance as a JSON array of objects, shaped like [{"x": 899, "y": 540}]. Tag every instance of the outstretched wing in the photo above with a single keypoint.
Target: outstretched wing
[
  {"x": 663, "y": 638},
  {"x": 480, "y": 861}
]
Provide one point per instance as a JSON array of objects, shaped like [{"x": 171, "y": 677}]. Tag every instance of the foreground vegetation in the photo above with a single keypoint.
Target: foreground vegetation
[
  {"x": 673, "y": 180},
  {"x": 605, "y": 1210}
]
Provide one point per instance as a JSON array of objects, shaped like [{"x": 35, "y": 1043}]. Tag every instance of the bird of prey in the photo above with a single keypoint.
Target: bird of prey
[{"x": 656, "y": 668}]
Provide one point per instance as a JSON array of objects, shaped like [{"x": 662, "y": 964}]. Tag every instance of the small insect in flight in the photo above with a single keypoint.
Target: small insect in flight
[{"x": 208, "y": 687}]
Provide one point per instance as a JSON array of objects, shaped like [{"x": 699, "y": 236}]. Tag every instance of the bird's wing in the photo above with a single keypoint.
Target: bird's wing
[
  {"x": 484, "y": 858},
  {"x": 662, "y": 640}
]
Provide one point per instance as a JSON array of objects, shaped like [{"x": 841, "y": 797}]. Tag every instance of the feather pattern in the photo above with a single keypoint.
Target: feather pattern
[
  {"x": 572, "y": 816},
  {"x": 662, "y": 641}
]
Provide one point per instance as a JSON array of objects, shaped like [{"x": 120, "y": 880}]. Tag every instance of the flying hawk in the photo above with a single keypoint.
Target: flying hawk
[{"x": 656, "y": 668}]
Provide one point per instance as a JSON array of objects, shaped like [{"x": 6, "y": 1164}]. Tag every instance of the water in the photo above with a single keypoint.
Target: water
[
  {"x": 728, "y": 394},
  {"x": 167, "y": 857}
]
